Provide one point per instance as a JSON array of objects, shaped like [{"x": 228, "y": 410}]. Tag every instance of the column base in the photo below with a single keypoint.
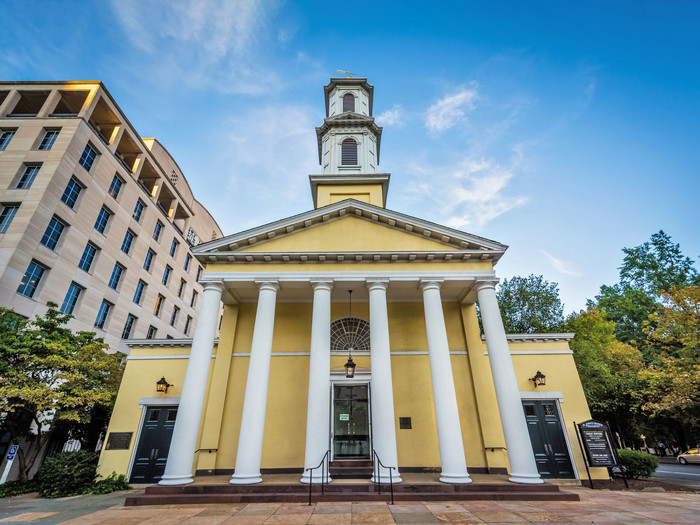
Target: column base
[
  {"x": 525, "y": 478},
  {"x": 455, "y": 478},
  {"x": 176, "y": 480},
  {"x": 317, "y": 478},
  {"x": 385, "y": 479},
  {"x": 245, "y": 480}
]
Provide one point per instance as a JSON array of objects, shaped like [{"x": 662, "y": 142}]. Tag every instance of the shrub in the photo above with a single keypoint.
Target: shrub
[
  {"x": 16, "y": 488},
  {"x": 67, "y": 474},
  {"x": 638, "y": 464},
  {"x": 111, "y": 483}
]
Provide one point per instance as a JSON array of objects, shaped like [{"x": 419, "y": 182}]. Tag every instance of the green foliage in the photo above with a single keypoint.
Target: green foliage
[
  {"x": 638, "y": 464},
  {"x": 17, "y": 488},
  {"x": 51, "y": 376},
  {"x": 111, "y": 483},
  {"x": 67, "y": 474},
  {"x": 629, "y": 308},
  {"x": 530, "y": 305}
]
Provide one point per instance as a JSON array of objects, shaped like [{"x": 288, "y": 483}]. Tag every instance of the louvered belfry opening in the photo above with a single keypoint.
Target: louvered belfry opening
[
  {"x": 349, "y": 153},
  {"x": 348, "y": 103}
]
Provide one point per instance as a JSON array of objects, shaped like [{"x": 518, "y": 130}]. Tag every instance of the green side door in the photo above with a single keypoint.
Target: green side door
[
  {"x": 547, "y": 438},
  {"x": 154, "y": 444}
]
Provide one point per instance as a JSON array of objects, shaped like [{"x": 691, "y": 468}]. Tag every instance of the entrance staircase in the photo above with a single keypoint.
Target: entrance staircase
[{"x": 350, "y": 469}]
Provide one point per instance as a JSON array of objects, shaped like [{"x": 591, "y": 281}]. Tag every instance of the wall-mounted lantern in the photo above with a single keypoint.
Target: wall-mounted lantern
[
  {"x": 539, "y": 379},
  {"x": 162, "y": 385}
]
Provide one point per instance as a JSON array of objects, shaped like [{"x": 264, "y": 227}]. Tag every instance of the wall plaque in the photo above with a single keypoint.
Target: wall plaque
[{"x": 119, "y": 440}]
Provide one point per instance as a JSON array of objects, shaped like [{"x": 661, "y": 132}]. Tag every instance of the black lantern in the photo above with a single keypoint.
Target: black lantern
[
  {"x": 538, "y": 379},
  {"x": 350, "y": 367},
  {"x": 162, "y": 385}
]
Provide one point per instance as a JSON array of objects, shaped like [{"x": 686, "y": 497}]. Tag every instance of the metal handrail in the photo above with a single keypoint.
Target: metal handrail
[
  {"x": 324, "y": 473},
  {"x": 376, "y": 466}
]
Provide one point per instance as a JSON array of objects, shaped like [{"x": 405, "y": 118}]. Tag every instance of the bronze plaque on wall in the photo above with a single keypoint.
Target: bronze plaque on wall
[{"x": 119, "y": 440}]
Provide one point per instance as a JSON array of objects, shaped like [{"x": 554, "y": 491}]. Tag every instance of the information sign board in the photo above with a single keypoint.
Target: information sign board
[
  {"x": 119, "y": 440},
  {"x": 598, "y": 444}
]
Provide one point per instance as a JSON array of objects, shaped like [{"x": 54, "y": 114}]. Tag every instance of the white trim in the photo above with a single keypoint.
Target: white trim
[
  {"x": 348, "y": 276},
  {"x": 542, "y": 396},
  {"x": 158, "y": 357},
  {"x": 157, "y": 401},
  {"x": 536, "y": 352},
  {"x": 537, "y": 337}
]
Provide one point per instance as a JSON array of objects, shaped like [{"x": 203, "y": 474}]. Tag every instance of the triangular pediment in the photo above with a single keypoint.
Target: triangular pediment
[{"x": 350, "y": 229}]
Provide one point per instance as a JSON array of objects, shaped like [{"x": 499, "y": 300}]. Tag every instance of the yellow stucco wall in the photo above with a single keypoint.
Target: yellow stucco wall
[{"x": 332, "y": 193}]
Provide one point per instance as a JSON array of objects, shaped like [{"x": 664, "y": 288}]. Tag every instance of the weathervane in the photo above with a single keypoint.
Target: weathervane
[{"x": 349, "y": 75}]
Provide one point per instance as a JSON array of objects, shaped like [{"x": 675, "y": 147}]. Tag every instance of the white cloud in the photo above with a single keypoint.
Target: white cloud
[
  {"x": 391, "y": 117},
  {"x": 200, "y": 42},
  {"x": 450, "y": 109},
  {"x": 560, "y": 265}
]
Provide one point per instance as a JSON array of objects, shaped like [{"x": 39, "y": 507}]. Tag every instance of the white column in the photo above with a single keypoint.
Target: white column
[
  {"x": 383, "y": 424},
  {"x": 250, "y": 440},
  {"x": 178, "y": 469},
  {"x": 318, "y": 410},
  {"x": 454, "y": 465},
  {"x": 523, "y": 468}
]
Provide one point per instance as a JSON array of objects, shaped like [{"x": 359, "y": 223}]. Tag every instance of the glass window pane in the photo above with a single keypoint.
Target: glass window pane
[
  {"x": 30, "y": 280},
  {"x": 6, "y": 216}
]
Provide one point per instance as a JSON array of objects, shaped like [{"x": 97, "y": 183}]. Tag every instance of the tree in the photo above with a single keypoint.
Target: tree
[
  {"x": 675, "y": 327},
  {"x": 530, "y": 304},
  {"x": 50, "y": 375},
  {"x": 629, "y": 308}
]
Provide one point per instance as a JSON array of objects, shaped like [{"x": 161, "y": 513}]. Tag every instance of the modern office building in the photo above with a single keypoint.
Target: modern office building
[
  {"x": 348, "y": 285},
  {"x": 93, "y": 217}
]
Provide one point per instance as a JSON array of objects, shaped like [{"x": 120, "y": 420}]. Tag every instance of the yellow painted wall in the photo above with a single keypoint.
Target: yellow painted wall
[{"x": 330, "y": 194}]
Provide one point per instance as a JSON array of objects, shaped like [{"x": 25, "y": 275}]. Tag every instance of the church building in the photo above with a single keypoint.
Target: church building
[{"x": 349, "y": 333}]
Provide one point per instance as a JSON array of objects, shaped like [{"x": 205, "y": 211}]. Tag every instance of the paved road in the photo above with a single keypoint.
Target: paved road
[{"x": 688, "y": 475}]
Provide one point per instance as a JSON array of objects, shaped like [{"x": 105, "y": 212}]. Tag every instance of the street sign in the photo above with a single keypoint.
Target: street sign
[{"x": 12, "y": 452}]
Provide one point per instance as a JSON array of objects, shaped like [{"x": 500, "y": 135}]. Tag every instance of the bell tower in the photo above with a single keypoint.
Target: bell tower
[{"x": 348, "y": 146}]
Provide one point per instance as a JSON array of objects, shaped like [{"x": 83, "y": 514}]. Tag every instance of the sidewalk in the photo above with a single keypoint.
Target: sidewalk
[{"x": 596, "y": 506}]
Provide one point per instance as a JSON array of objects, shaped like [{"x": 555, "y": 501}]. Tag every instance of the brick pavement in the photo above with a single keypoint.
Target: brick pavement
[{"x": 596, "y": 506}]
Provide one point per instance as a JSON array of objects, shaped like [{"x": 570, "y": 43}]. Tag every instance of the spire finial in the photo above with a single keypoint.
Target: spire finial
[{"x": 349, "y": 75}]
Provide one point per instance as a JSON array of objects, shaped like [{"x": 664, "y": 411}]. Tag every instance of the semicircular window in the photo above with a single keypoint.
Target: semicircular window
[{"x": 349, "y": 332}]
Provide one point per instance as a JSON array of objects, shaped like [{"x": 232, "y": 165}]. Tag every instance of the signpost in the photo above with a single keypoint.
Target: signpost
[
  {"x": 597, "y": 446},
  {"x": 10, "y": 459}
]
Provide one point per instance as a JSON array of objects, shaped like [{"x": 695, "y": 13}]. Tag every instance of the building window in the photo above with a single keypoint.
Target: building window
[
  {"x": 166, "y": 275},
  {"x": 193, "y": 301},
  {"x": 148, "y": 261},
  {"x": 181, "y": 288},
  {"x": 157, "y": 230},
  {"x": 87, "y": 258},
  {"x": 115, "y": 186},
  {"x": 27, "y": 178},
  {"x": 129, "y": 326},
  {"x": 71, "y": 299},
  {"x": 188, "y": 324},
  {"x": 173, "y": 317},
  {"x": 102, "y": 220},
  {"x": 188, "y": 260},
  {"x": 348, "y": 155},
  {"x": 152, "y": 331},
  {"x": 5, "y": 138},
  {"x": 349, "y": 332},
  {"x": 32, "y": 278},
  {"x": 6, "y": 215},
  {"x": 117, "y": 273},
  {"x": 71, "y": 193},
  {"x": 48, "y": 139},
  {"x": 199, "y": 272},
  {"x": 138, "y": 211},
  {"x": 173, "y": 248},
  {"x": 87, "y": 159},
  {"x": 348, "y": 103},
  {"x": 138, "y": 294},
  {"x": 53, "y": 233},
  {"x": 103, "y": 314},
  {"x": 128, "y": 241},
  {"x": 159, "y": 305}
]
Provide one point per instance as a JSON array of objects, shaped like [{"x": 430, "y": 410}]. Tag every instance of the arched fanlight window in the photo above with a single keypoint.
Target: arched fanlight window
[
  {"x": 349, "y": 332},
  {"x": 348, "y": 103},
  {"x": 348, "y": 155}
]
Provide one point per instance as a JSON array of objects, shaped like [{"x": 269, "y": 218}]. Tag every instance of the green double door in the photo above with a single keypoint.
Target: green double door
[
  {"x": 547, "y": 438},
  {"x": 154, "y": 444}
]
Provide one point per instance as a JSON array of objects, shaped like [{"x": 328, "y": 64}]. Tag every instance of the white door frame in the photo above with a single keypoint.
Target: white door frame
[{"x": 337, "y": 377}]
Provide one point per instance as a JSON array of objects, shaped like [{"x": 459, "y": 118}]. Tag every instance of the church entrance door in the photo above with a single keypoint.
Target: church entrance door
[
  {"x": 548, "y": 441},
  {"x": 154, "y": 444},
  {"x": 351, "y": 435}
]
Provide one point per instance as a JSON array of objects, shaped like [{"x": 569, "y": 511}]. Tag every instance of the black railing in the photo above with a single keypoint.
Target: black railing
[
  {"x": 323, "y": 465},
  {"x": 377, "y": 465}
]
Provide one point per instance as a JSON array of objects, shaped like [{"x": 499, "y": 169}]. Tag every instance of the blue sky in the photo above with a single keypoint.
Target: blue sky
[{"x": 566, "y": 130}]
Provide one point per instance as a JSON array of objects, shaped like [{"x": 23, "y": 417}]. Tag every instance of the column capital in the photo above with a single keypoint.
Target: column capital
[
  {"x": 486, "y": 284},
  {"x": 321, "y": 284},
  {"x": 430, "y": 284},
  {"x": 213, "y": 285},
  {"x": 377, "y": 284},
  {"x": 270, "y": 285}
]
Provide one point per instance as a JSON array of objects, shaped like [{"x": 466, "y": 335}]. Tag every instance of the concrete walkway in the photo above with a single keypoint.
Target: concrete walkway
[{"x": 596, "y": 506}]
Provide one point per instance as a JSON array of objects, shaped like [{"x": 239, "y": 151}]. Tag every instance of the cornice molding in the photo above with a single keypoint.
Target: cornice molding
[{"x": 537, "y": 338}]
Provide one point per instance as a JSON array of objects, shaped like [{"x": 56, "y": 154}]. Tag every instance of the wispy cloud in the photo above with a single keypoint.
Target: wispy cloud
[
  {"x": 560, "y": 265},
  {"x": 392, "y": 117},
  {"x": 450, "y": 109},
  {"x": 201, "y": 42}
]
